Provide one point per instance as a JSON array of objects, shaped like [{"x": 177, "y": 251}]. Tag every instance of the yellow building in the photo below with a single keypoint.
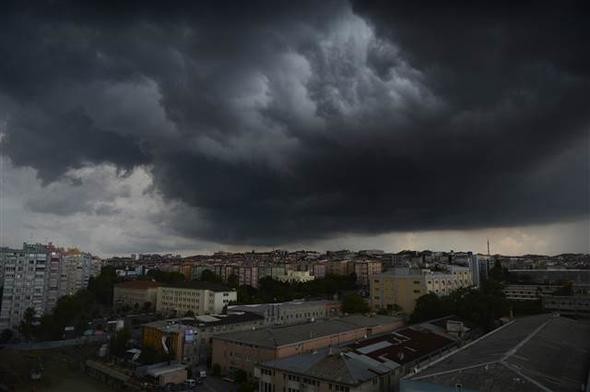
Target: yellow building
[
  {"x": 403, "y": 286},
  {"x": 197, "y": 297}
]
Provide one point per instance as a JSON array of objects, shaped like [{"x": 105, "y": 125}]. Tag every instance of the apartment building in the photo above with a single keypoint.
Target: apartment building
[
  {"x": 36, "y": 276},
  {"x": 135, "y": 293},
  {"x": 339, "y": 267},
  {"x": 318, "y": 270},
  {"x": 248, "y": 275},
  {"x": 403, "y": 286},
  {"x": 77, "y": 268},
  {"x": 244, "y": 350},
  {"x": 196, "y": 296},
  {"x": 365, "y": 269},
  {"x": 25, "y": 279},
  {"x": 296, "y": 276}
]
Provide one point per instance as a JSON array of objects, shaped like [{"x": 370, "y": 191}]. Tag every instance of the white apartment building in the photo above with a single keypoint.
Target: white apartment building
[
  {"x": 197, "y": 297},
  {"x": 25, "y": 279},
  {"x": 36, "y": 276}
]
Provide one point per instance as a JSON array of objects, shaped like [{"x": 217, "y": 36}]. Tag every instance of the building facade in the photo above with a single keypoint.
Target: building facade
[
  {"x": 196, "y": 297},
  {"x": 365, "y": 269},
  {"x": 292, "y": 312},
  {"x": 188, "y": 339},
  {"x": 36, "y": 276},
  {"x": 245, "y": 350},
  {"x": 401, "y": 287},
  {"x": 135, "y": 293}
]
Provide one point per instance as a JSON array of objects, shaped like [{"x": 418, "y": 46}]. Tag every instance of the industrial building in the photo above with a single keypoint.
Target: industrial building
[
  {"x": 244, "y": 350},
  {"x": 188, "y": 339},
  {"x": 535, "y": 353},
  {"x": 293, "y": 311}
]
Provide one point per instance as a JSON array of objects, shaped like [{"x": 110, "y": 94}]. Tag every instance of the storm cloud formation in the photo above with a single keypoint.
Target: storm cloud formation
[{"x": 262, "y": 122}]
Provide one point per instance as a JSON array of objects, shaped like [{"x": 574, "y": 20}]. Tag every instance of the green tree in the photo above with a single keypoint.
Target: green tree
[
  {"x": 210, "y": 276},
  {"x": 354, "y": 303},
  {"x": 428, "y": 307},
  {"x": 233, "y": 281},
  {"x": 6, "y": 335},
  {"x": 119, "y": 342},
  {"x": 497, "y": 272},
  {"x": 26, "y": 327}
]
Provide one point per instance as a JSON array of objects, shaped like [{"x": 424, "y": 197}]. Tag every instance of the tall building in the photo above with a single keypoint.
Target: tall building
[
  {"x": 37, "y": 275},
  {"x": 25, "y": 280},
  {"x": 365, "y": 269},
  {"x": 403, "y": 286}
]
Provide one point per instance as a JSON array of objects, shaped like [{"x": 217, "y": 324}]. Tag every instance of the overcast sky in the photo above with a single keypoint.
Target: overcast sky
[{"x": 328, "y": 124}]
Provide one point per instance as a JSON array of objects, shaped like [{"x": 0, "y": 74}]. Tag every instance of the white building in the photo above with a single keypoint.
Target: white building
[{"x": 197, "y": 297}]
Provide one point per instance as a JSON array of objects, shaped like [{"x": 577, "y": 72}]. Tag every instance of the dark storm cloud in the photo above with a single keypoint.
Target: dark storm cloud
[{"x": 281, "y": 121}]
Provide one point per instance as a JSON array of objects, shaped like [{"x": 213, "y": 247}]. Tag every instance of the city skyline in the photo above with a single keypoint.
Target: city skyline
[{"x": 203, "y": 127}]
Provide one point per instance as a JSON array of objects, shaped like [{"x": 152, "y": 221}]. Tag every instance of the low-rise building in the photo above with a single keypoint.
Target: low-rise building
[
  {"x": 372, "y": 364},
  {"x": 244, "y": 350},
  {"x": 293, "y": 311},
  {"x": 365, "y": 269},
  {"x": 403, "y": 286},
  {"x": 197, "y": 297},
  {"x": 528, "y": 292},
  {"x": 568, "y": 305},
  {"x": 189, "y": 338},
  {"x": 326, "y": 370},
  {"x": 135, "y": 293},
  {"x": 535, "y": 353}
]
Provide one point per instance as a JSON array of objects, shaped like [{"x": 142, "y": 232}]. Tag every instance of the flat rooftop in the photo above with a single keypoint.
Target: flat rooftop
[
  {"x": 404, "y": 345},
  {"x": 286, "y": 335},
  {"x": 205, "y": 321},
  {"x": 535, "y": 353}
]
